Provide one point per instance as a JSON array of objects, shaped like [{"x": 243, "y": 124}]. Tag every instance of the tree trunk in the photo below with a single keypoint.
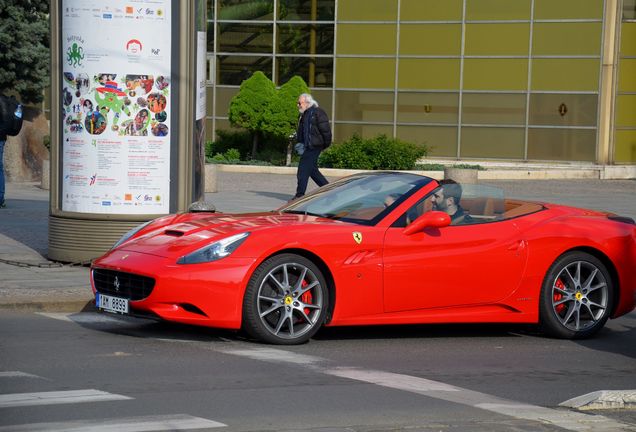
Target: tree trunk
[
  {"x": 254, "y": 144},
  {"x": 289, "y": 153},
  {"x": 25, "y": 152}
]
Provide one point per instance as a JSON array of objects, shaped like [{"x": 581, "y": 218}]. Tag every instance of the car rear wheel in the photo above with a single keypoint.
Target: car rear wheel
[
  {"x": 285, "y": 301},
  {"x": 576, "y": 297}
]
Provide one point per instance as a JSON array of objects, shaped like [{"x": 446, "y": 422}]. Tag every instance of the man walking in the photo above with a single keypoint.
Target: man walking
[{"x": 314, "y": 133}]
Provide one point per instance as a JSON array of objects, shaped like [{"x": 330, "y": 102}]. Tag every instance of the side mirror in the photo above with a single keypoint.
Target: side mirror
[{"x": 430, "y": 219}]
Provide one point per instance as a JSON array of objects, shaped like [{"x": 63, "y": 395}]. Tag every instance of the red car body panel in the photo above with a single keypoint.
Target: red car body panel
[{"x": 490, "y": 272}]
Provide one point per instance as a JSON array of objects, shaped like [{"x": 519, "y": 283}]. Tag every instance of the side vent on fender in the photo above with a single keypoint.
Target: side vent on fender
[{"x": 174, "y": 233}]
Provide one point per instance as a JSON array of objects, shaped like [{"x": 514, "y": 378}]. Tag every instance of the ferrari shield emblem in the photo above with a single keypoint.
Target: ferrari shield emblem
[{"x": 357, "y": 236}]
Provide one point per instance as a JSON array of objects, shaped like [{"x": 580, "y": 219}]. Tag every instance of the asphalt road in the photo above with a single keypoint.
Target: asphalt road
[{"x": 126, "y": 372}]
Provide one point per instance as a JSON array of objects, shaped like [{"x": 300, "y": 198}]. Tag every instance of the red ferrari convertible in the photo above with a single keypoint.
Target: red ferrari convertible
[{"x": 377, "y": 248}]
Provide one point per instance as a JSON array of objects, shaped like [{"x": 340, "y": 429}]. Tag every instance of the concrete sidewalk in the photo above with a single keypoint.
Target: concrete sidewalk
[{"x": 29, "y": 281}]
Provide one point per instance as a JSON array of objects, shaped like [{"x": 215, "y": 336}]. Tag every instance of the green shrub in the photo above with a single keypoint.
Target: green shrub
[
  {"x": 240, "y": 140},
  {"x": 378, "y": 153},
  {"x": 230, "y": 156}
]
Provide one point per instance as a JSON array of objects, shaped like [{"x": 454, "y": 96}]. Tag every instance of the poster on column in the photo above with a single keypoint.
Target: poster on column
[{"x": 116, "y": 58}]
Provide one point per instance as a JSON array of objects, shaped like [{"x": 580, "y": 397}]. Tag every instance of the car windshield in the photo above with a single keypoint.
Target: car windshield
[{"x": 362, "y": 198}]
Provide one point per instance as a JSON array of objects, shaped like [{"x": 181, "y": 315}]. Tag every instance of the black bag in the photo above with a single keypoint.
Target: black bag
[{"x": 10, "y": 116}]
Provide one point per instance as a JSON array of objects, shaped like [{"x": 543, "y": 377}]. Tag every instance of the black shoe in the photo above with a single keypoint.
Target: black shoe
[{"x": 3, "y": 204}]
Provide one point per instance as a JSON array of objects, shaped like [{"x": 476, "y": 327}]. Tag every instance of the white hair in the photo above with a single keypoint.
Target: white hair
[{"x": 309, "y": 99}]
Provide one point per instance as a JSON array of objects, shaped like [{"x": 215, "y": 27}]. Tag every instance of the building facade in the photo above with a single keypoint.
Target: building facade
[{"x": 521, "y": 80}]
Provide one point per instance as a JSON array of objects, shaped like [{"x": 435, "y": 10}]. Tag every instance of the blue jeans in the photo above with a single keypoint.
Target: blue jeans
[
  {"x": 2, "y": 171},
  {"x": 308, "y": 167}
]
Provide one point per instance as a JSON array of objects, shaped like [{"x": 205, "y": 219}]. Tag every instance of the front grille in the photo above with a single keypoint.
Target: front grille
[{"x": 120, "y": 284}]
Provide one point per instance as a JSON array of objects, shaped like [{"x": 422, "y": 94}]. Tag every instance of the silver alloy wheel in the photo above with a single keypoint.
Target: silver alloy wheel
[
  {"x": 580, "y": 295},
  {"x": 290, "y": 301}
]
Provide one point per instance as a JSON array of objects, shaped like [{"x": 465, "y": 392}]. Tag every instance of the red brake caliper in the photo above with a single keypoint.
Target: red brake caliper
[
  {"x": 557, "y": 296},
  {"x": 306, "y": 297}
]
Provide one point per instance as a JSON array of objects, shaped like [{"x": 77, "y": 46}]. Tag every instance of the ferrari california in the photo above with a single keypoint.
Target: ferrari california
[{"x": 375, "y": 249}]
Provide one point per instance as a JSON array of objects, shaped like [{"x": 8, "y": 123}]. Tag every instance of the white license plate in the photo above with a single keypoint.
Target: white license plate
[{"x": 111, "y": 304}]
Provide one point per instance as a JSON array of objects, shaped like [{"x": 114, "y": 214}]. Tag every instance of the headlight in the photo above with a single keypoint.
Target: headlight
[
  {"x": 215, "y": 251},
  {"x": 130, "y": 233}
]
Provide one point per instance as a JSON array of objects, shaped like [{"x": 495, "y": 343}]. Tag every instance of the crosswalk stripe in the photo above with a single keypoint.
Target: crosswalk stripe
[
  {"x": 17, "y": 374},
  {"x": 573, "y": 421},
  {"x": 176, "y": 422},
  {"x": 57, "y": 397}
]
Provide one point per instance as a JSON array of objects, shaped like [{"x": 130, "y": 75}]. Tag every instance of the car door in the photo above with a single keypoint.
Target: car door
[{"x": 452, "y": 266}]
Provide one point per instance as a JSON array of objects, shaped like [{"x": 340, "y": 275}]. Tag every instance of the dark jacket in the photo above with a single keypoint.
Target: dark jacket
[{"x": 319, "y": 133}]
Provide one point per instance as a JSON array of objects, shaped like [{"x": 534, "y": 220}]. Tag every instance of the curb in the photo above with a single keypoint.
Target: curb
[
  {"x": 492, "y": 172},
  {"x": 52, "y": 305},
  {"x": 603, "y": 400}
]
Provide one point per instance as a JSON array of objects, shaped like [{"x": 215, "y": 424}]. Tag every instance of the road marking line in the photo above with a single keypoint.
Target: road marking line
[
  {"x": 84, "y": 318},
  {"x": 573, "y": 421},
  {"x": 18, "y": 374},
  {"x": 57, "y": 397},
  {"x": 132, "y": 424},
  {"x": 392, "y": 380},
  {"x": 273, "y": 355}
]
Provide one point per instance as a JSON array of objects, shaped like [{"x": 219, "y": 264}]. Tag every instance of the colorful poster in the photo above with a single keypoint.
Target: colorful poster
[{"x": 116, "y": 59}]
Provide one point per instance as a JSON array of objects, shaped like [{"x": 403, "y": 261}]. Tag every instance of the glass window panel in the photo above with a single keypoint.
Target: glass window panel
[
  {"x": 430, "y": 39},
  {"x": 246, "y": 10},
  {"x": 495, "y": 74},
  {"x": 485, "y": 108},
  {"x": 625, "y": 146},
  {"x": 223, "y": 124},
  {"x": 565, "y": 74},
  {"x": 628, "y": 39},
  {"x": 306, "y": 10},
  {"x": 233, "y": 70},
  {"x": 324, "y": 99},
  {"x": 629, "y": 9},
  {"x": 367, "y": 10},
  {"x": 431, "y": 10},
  {"x": 317, "y": 72},
  {"x": 209, "y": 100},
  {"x": 562, "y": 144},
  {"x": 568, "y": 9},
  {"x": 563, "y": 109},
  {"x": 497, "y": 143},
  {"x": 344, "y": 131},
  {"x": 428, "y": 107},
  {"x": 223, "y": 97},
  {"x": 497, "y": 10},
  {"x": 497, "y": 39},
  {"x": 626, "y": 111},
  {"x": 627, "y": 75},
  {"x": 364, "y": 106},
  {"x": 374, "y": 39},
  {"x": 441, "y": 141},
  {"x": 245, "y": 37},
  {"x": 305, "y": 39},
  {"x": 365, "y": 73},
  {"x": 434, "y": 74},
  {"x": 567, "y": 39}
]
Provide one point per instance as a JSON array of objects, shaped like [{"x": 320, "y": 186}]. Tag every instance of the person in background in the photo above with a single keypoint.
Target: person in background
[{"x": 314, "y": 133}]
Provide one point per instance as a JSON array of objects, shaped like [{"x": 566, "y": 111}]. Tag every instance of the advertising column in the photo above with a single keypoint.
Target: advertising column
[{"x": 115, "y": 107}]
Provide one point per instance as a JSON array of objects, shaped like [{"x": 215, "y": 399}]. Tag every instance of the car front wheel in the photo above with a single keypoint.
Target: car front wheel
[
  {"x": 576, "y": 296},
  {"x": 285, "y": 301}
]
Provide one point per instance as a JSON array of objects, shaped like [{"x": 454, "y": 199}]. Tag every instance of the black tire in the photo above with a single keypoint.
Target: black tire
[
  {"x": 286, "y": 300},
  {"x": 576, "y": 296}
]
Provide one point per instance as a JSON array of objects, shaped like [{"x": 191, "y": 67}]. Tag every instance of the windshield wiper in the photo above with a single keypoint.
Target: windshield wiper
[{"x": 304, "y": 212}]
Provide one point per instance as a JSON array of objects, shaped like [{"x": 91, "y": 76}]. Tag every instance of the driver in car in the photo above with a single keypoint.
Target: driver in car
[{"x": 447, "y": 199}]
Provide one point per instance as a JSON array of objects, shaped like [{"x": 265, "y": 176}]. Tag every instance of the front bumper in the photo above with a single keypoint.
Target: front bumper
[{"x": 208, "y": 294}]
